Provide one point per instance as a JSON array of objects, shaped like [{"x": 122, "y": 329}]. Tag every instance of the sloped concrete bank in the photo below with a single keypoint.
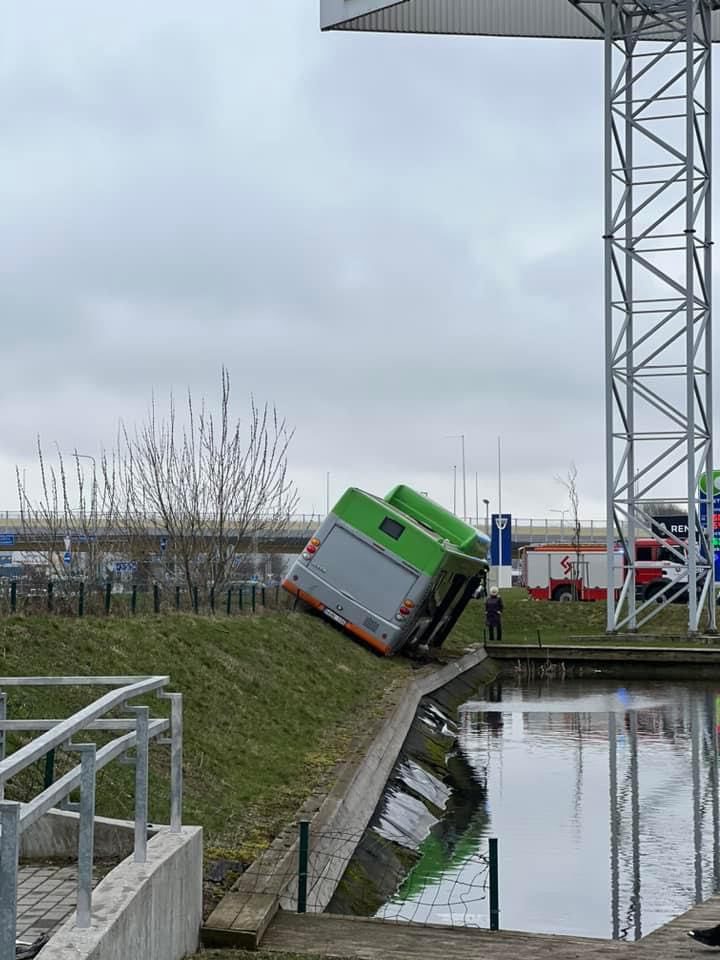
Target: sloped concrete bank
[
  {"x": 434, "y": 800},
  {"x": 339, "y": 820}
]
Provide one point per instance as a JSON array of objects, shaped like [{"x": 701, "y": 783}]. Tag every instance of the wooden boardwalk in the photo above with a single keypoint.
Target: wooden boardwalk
[{"x": 367, "y": 939}]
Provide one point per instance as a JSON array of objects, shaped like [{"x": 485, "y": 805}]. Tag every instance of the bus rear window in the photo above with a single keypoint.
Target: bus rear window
[{"x": 392, "y": 528}]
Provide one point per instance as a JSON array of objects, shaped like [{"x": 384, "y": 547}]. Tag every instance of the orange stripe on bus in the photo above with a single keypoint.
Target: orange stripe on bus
[
  {"x": 368, "y": 638},
  {"x": 306, "y": 597},
  {"x": 350, "y": 627}
]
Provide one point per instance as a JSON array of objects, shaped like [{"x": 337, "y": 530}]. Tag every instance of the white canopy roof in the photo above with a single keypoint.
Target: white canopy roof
[{"x": 499, "y": 18}]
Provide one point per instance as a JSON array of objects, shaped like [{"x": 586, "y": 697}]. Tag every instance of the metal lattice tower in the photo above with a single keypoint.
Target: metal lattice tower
[
  {"x": 658, "y": 361},
  {"x": 658, "y": 364}
]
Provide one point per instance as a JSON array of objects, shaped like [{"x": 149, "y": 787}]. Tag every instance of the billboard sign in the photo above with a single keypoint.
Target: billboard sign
[{"x": 715, "y": 515}]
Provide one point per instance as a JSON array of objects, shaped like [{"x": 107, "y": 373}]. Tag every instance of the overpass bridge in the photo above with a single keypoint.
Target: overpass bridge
[{"x": 268, "y": 537}]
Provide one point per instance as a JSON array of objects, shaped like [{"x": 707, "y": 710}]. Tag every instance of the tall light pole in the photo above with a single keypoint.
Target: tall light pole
[
  {"x": 562, "y": 515},
  {"x": 500, "y": 528},
  {"x": 327, "y": 494},
  {"x": 93, "y": 504},
  {"x": 487, "y": 516},
  {"x": 455, "y": 489},
  {"x": 477, "y": 501},
  {"x": 461, "y": 438}
]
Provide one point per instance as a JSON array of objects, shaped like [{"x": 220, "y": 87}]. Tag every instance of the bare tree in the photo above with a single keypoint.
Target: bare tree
[
  {"x": 570, "y": 484},
  {"x": 71, "y": 524},
  {"x": 202, "y": 494}
]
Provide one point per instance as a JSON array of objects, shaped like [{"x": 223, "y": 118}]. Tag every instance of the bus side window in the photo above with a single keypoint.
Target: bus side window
[
  {"x": 643, "y": 553},
  {"x": 666, "y": 556}
]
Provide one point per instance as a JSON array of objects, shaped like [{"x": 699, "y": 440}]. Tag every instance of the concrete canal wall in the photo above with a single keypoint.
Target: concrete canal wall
[{"x": 338, "y": 820}]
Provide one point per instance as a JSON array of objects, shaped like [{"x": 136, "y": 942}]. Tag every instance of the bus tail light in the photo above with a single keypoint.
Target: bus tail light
[
  {"x": 404, "y": 611},
  {"x": 311, "y": 548}
]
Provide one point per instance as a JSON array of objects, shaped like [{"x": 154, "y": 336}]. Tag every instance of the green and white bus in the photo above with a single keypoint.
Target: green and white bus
[{"x": 395, "y": 572}]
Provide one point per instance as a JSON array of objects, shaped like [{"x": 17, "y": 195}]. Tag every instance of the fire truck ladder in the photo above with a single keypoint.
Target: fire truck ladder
[{"x": 657, "y": 290}]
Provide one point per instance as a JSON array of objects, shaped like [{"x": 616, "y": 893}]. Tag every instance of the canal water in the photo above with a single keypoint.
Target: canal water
[{"x": 604, "y": 802}]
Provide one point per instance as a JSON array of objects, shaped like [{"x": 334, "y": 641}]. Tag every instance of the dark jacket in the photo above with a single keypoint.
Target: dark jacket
[{"x": 493, "y": 610}]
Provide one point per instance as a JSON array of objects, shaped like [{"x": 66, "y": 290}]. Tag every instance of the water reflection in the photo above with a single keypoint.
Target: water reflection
[{"x": 604, "y": 801}]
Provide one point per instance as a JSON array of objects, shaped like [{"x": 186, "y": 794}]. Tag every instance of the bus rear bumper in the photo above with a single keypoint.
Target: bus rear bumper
[{"x": 375, "y": 642}]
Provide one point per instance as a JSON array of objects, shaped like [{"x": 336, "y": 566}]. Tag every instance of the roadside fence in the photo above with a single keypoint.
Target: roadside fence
[{"x": 110, "y": 598}]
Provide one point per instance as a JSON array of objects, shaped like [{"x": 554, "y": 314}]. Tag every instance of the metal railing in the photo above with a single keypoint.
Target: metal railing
[{"x": 136, "y": 734}]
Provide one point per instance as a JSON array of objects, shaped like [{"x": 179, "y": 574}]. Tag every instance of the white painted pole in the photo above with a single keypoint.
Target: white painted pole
[{"x": 500, "y": 531}]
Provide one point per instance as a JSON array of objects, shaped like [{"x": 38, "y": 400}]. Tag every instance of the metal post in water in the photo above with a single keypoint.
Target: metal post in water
[
  {"x": 494, "y": 897},
  {"x": 86, "y": 831},
  {"x": 9, "y": 850},
  {"x": 712, "y": 723},
  {"x": 304, "y": 845},
  {"x": 697, "y": 816},
  {"x": 635, "y": 807},
  {"x": 614, "y": 828}
]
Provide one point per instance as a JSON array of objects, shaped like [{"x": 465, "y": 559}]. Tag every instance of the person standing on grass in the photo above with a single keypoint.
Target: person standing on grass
[{"x": 493, "y": 616}]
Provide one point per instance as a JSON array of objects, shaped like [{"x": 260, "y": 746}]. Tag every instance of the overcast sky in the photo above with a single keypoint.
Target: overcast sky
[{"x": 392, "y": 238}]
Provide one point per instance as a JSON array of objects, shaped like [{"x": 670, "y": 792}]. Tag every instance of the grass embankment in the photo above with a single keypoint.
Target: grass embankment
[{"x": 270, "y": 704}]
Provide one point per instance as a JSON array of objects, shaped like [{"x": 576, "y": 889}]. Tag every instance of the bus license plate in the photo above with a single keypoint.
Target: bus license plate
[{"x": 334, "y": 616}]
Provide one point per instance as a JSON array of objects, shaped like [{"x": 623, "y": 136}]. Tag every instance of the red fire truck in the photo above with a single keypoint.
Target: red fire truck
[{"x": 559, "y": 571}]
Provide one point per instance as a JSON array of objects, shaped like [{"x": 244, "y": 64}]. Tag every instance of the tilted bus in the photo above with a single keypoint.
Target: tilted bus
[{"x": 394, "y": 572}]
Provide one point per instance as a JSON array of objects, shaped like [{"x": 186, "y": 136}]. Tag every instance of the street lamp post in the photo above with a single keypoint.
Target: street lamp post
[
  {"x": 455, "y": 489},
  {"x": 487, "y": 516},
  {"x": 562, "y": 515},
  {"x": 461, "y": 438},
  {"x": 90, "y": 547}
]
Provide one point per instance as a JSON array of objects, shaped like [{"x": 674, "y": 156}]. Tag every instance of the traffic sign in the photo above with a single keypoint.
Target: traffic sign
[
  {"x": 67, "y": 557},
  {"x": 7, "y": 539}
]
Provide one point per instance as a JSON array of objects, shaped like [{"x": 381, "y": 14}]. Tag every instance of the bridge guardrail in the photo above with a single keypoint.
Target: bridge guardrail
[
  {"x": 300, "y": 526},
  {"x": 136, "y": 733}
]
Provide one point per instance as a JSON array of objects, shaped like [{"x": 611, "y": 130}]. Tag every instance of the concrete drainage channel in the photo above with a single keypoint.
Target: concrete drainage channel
[{"x": 338, "y": 821}]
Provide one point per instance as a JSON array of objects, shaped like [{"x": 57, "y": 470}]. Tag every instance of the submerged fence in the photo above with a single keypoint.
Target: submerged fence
[
  {"x": 399, "y": 888},
  {"x": 51, "y": 736}
]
